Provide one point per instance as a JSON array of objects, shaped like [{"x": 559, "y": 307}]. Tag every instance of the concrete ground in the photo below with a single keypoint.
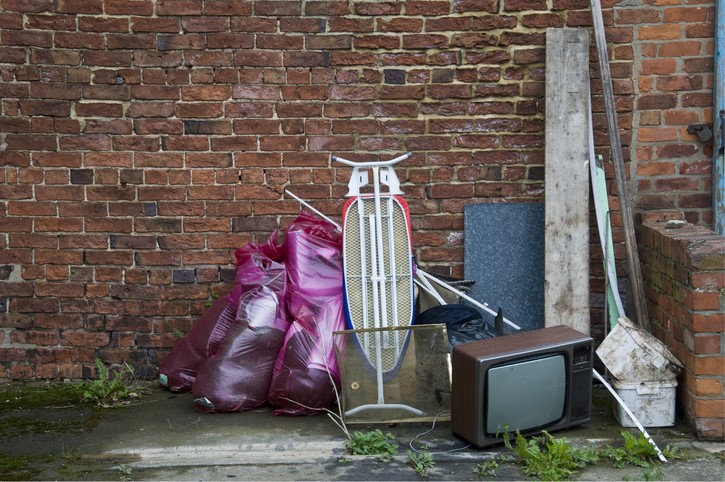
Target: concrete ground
[{"x": 162, "y": 437}]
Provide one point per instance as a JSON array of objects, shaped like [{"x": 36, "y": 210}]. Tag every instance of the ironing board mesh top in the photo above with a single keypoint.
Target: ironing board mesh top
[{"x": 359, "y": 269}]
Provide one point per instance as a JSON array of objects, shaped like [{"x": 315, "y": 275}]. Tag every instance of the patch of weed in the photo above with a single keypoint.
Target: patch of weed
[
  {"x": 546, "y": 457},
  {"x": 549, "y": 458},
  {"x": 636, "y": 451},
  {"x": 373, "y": 442},
  {"x": 125, "y": 471},
  {"x": 655, "y": 474},
  {"x": 675, "y": 453},
  {"x": 178, "y": 334},
  {"x": 70, "y": 455},
  {"x": 421, "y": 462},
  {"x": 111, "y": 388},
  {"x": 487, "y": 468},
  {"x": 212, "y": 298}
]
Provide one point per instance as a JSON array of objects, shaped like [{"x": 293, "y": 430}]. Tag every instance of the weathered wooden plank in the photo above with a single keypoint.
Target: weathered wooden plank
[
  {"x": 635, "y": 270},
  {"x": 566, "y": 170}
]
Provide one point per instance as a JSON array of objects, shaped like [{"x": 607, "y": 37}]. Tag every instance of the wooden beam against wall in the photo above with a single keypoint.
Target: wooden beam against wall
[
  {"x": 635, "y": 270},
  {"x": 566, "y": 172}
]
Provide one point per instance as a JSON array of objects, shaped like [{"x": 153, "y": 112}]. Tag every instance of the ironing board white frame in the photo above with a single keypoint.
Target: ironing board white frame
[{"x": 374, "y": 243}]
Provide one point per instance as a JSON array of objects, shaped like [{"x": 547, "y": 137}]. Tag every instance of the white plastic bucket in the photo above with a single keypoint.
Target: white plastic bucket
[{"x": 653, "y": 403}]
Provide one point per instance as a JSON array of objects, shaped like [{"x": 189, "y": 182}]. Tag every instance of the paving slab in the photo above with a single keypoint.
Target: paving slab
[{"x": 163, "y": 438}]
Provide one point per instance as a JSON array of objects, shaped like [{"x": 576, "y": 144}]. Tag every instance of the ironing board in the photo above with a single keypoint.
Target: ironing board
[{"x": 377, "y": 269}]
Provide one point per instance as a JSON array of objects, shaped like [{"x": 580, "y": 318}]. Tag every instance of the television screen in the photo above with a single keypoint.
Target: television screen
[{"x": 525, "y": 395}]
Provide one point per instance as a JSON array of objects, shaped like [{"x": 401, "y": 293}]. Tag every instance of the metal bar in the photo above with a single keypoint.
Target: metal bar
[
  {"x": 376, "y": 314},
  {"x": 425, "y": 284},
  {"x": 393, "y": 272},
  {"x": 379, "y": 256},
  {"x": 718, "y": 122},
  {"x": 373, "y": 163},
  {"x": 363, "y": 271},
  {"x": 309, "y": 206},
  {"x": 483, "y": 306}
]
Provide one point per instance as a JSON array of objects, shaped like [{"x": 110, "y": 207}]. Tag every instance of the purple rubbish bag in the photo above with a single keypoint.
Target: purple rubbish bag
[
  {"x": 306, "y": 367},
  {"x": 237, "y": 377},
  {"x": 179, "y": 369}
]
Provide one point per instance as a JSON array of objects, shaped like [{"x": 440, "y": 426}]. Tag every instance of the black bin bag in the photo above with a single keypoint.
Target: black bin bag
[{"x": 463, "y": 323}]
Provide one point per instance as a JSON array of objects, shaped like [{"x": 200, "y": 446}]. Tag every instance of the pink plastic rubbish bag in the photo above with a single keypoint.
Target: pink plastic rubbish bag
[
  {"x": 306, "y": 368},
  {"x": 179, "y": 369},
  {"x": 237, "y": 377}
]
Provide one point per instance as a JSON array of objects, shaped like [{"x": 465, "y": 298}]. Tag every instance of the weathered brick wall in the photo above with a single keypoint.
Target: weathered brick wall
[
  {"x": 685, "y": 273},
  {"x": 672, "y": 45},
  {"x": 142, "y": 141}
]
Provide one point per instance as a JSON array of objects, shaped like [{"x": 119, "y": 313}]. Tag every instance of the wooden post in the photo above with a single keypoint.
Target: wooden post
[
  {"x": 566, "y": 172},
  {"x": 635, "y": 270}
]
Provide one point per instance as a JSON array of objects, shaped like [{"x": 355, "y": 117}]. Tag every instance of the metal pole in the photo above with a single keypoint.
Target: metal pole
[{"x": 718, "y": 122}]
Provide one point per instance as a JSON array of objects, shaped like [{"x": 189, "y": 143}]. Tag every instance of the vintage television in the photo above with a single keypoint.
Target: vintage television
[{"x": 528, "y": 381}]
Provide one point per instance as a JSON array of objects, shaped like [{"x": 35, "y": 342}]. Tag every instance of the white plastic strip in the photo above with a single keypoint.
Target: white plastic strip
[{"x": 631, "y": 415}]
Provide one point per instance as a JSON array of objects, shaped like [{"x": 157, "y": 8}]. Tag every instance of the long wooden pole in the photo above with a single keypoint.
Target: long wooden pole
[{"x": 635, "y": 271}]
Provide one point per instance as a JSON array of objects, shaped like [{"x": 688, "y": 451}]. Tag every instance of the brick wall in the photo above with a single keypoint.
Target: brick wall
[
  {"x": 672, "y": 48},
  {"x": 684, "y": 269},
  {"x": 142, "y": 141}
]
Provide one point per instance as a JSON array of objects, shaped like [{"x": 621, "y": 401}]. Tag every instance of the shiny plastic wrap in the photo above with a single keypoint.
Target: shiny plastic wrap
[
  {"x": 306, "y": 367},
  {"x": 179, "y": 369},
  {"x": 237, "y": 377}
]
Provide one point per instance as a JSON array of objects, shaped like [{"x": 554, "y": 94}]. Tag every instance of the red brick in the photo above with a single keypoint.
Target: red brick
[
  {"x": 708, "y": 344},
  {"x": 709, "y": 408},
  {"x": 678, "y": 49},
  {"x": 709, "y": 365},
  {"x": 710, "y": 429},
  {"x": 35, "y": 337},
  {"x": 659, "y": 32},
  {"x": 518, "y": 5}
]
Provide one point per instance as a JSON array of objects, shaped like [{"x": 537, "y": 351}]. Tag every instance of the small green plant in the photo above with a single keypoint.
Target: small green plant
[
  {"x": 70, "y": 455},
  {"x": 550, "y": 458},
  {"x": 110, "y": 388},
  {"x": 638, "y": 447},
  {"x": 213, "y": 297},
  {"x": 373, "y": 442},
  {"x": 487, "y": 468},
  {"x": 655, "y": 474},
  {"x": 546, "y": 458},
  {"x": 125, "y": 471},
  {"x": 178, "y": 334},
  {"x": 421, "y": 462},
  {"x": 675, "y": 453},
  {"x": 586, "y": 456},
  {"x": 636, "y": 451}
]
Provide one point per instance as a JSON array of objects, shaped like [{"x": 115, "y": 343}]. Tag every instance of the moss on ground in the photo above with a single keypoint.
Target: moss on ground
[
  {"x": 27, "y": 395},
  {"x": 31, "y": 409}
]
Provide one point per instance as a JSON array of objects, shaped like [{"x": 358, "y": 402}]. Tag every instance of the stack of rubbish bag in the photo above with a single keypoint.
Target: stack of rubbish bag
[{"x": 270, "y": 341}]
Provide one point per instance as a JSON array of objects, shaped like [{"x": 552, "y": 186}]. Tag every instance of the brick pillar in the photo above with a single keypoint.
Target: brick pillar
[{"x": 684, "y": 272}]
